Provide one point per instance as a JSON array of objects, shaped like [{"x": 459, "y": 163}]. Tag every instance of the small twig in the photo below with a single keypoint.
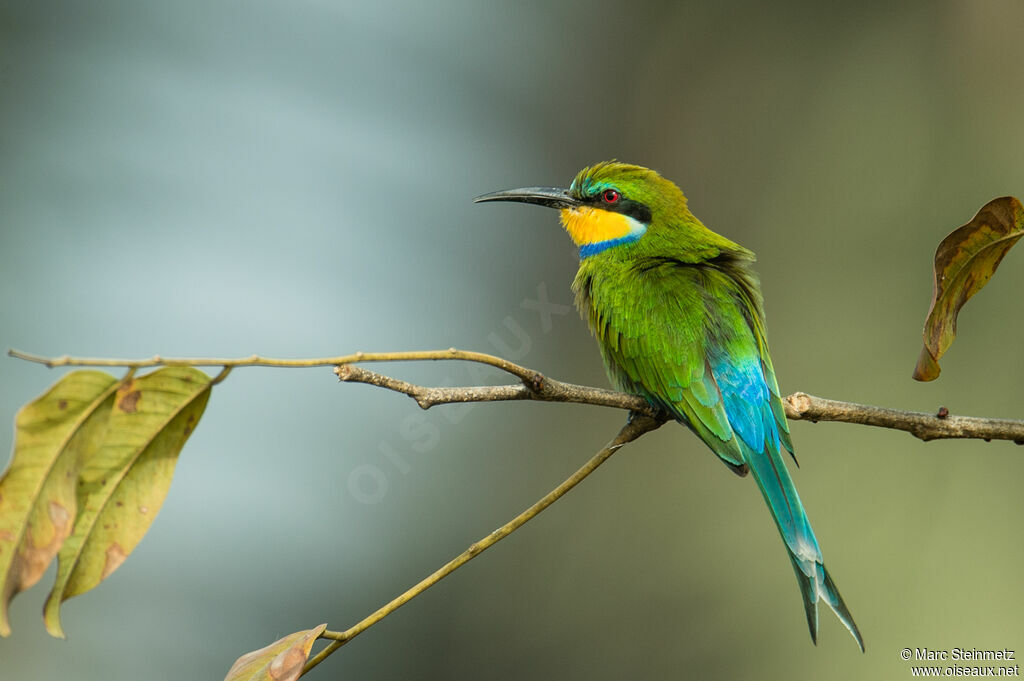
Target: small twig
[
  {"x": 637, "y": 426},
  {"x": 941, "y": 425},
  {"x": 522, "y": 373},
  {"x": 542, "y": 389},
  {"x": 216, "y": 379}
]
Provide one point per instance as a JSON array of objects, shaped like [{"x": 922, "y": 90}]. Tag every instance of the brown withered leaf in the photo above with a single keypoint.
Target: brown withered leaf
[
  {"x": 54, "y": 435},
  {"x": 124, "y": 483},
  {"x": 964, "y": 262},
  {"x": 282, "y": 660}
]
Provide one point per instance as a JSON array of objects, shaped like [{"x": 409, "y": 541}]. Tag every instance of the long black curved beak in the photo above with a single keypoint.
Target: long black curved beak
[{"x": 552, "y": 197}]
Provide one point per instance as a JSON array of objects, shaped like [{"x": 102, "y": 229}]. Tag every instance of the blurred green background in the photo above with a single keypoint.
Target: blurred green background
[{"x": 294, "y": 179}]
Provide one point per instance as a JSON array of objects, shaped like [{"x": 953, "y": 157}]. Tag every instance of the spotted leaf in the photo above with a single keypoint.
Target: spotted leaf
[
  {"x": 122, "y": 486},
  {"x": 282, "y": 660},
  {"x": 54, "y": 435}
]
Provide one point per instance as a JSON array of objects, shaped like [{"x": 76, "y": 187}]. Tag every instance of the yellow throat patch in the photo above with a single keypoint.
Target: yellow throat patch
[{"x": 588, "y": 225}]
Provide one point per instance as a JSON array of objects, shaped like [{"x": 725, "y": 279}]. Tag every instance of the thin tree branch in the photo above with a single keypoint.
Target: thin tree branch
[
  {"x": 637, "y": 426},
  {"x": 799, "y": 406},
  {"x": 519, "y": 372},
  {"x": 540, "y": 388},
  {"x": 941, "y": 425}
]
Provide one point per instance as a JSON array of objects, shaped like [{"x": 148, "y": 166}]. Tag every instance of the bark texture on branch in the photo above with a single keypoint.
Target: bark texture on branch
[{"x": 937, "y": 426}]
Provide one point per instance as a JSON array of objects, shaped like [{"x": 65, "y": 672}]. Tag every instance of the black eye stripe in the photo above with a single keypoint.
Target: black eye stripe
[{"x": 634, "y": 209}]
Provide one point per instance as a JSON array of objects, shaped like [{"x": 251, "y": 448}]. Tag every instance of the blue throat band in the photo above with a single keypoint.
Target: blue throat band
[{"x": 595, "y": 248}]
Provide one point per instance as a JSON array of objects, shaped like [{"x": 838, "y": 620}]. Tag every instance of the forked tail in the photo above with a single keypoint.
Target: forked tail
[{"x": 815, "y": 583}]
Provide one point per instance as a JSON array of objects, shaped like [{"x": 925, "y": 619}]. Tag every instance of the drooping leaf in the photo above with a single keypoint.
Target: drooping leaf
[
  {"x": 122, "y": 486},
  {"x": 282, "y": 660},
  {"x": 964, "y": 262},
  {"x": 54, "y": 435}
]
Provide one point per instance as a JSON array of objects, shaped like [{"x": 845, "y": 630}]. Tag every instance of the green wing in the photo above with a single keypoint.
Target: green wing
[{"x": 667, "y": 330}]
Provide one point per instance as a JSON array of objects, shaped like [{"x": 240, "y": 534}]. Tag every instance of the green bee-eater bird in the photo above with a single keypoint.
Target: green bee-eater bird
[{"x": 677, "y": 312}]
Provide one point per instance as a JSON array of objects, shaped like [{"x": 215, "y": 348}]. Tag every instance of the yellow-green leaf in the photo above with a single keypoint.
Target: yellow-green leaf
[
  {"x": 54, "y": 435},
  {"x": 122, "y": 486},
  {"x": 282, "y": 660},
  {"x": 964, "y": 262}
]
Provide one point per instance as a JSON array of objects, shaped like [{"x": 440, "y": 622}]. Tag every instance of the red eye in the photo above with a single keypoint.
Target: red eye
[{"x": 610, "y": 196}]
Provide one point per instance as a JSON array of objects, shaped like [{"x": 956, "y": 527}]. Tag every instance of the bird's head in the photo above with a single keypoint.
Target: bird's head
[{"x": 607, "y": 205}]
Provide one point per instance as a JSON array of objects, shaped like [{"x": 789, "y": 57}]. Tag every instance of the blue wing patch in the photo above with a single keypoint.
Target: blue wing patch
[{"x": 745, "y": 397}]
